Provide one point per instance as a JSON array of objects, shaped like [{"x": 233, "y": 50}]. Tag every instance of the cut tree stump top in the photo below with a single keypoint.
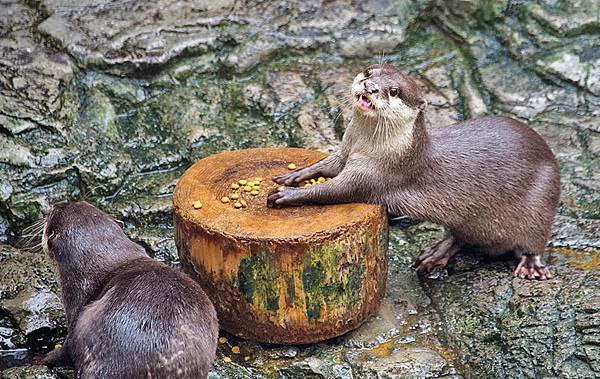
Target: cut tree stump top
[{"x": 209, "y": 180}]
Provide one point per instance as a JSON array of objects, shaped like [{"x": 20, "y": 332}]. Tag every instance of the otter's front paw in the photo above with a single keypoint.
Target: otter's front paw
[
  {"x": 294, "y": 177},
  {"x": 285, "y": 197}
]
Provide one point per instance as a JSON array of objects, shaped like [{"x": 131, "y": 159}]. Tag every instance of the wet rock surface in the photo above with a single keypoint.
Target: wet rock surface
[{"x": 112, "y": 101}]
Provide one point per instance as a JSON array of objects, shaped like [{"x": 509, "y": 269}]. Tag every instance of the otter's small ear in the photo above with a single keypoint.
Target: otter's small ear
[{"x": 422, "y": 105}]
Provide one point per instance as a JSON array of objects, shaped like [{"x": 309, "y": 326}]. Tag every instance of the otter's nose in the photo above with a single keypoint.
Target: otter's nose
[{"x": 371, "y": 87}]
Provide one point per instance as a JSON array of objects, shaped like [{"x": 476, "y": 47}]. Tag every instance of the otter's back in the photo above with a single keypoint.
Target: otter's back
[
  {"x": 495, "y": 137},
  {"x": 485, "y": 165},
  {"x": 150, "y": 321}
]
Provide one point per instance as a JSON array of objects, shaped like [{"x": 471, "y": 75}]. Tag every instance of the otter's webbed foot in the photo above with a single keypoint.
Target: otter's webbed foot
[
  {"x": 532, "y": 267},
  {"x": 437, "y": 255},
  {"x": 285, "y": 197},
  {"x": 297, "y": 176}
]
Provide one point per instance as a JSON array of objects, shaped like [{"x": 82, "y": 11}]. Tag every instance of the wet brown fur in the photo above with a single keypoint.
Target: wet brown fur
[
  {"x": 492, "y": 181},
  {"x": 128, "y": 315}
]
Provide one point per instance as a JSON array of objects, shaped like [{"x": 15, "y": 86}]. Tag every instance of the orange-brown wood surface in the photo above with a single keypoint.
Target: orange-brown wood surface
[{"x": 291, "y": 275}]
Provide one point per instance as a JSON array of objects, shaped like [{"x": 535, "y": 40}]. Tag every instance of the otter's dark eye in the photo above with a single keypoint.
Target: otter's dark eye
[
  {"x": 394, "y": 91},
  {"x": 368, "y": 72}
]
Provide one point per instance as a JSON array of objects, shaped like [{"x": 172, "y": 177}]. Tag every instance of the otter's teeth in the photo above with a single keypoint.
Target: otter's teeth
[{"x": 365, "y": 103}]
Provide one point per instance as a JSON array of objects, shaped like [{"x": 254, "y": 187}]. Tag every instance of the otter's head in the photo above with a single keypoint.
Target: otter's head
[
  {"x": 383, "y": 91},
  {"x": 75, "y": 231}
]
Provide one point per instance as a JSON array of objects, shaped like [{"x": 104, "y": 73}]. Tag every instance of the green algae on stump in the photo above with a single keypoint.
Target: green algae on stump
[{"x": 292, "y": 275}]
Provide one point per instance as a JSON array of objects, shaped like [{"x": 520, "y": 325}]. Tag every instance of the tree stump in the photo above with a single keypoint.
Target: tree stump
[{"x": 285, "y": 276}]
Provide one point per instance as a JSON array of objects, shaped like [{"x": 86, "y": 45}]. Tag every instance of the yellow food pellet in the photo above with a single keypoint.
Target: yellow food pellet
[
  {"x": 256, "y": 188},
  {"x": 237, "y": 204},
  {"x": 258, "y": 179},
  {"x": 235, "y": 196},
  {"x": 235, "y": 350},
  {"x": 307, "y": 185},
  {"x": 222, "y": 339},
  {"x": 248, "y": 188},
  {"x": 226, "y": 359},
  {"x": 243, "y": 182},
  {"x": 291, "y": 166},
  {"x": 246, "y": 358},
  {"x": 58, "y": 346},
  {"x": 224, "y": 199},
  {"x": 244, "y": 204},
  {"x": 312, "y": 181},
  {"x": 197, "y": 204},
  {"x": 254, "y": 193},
  {"x": 234, "y": 186},
  {"x": 327, "y": 179},
  {"x": 321, "y": 179}
]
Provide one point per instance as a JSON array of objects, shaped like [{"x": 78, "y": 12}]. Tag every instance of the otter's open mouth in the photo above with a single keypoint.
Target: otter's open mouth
[{"x": 364, "y": 103}]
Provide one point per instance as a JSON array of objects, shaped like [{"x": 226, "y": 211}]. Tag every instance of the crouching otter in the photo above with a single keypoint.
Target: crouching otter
[
  {"x": 128, "y": 315},
  {"x": 491, "y": 181}
]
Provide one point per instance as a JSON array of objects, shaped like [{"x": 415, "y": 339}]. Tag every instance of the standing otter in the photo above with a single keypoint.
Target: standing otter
[
  {"x": 491, "y": 181},
  {"x": 128, "y": 316}
]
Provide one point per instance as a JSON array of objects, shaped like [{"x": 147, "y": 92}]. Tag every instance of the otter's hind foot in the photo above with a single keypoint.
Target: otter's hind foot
[
  {"x": 437, "y": 255},
  {"x": 532, "y": 267}
]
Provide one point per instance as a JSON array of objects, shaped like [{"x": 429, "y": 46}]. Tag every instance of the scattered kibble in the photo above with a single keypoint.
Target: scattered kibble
[
  {"x": 197, "y": 204},
  {"x": 222, "y": 340},
  {"x": 246, "y": 358},
  {"x": 224, "y": 199},
  {"x": 241, "y": 189},
  {"x": 58, "y": 346},
  {"x": 235, "y": 350},
  {"x": 310, "y": 182},
  {"x": 226, "y": 359},
  {"x": 291, "y": 166}
]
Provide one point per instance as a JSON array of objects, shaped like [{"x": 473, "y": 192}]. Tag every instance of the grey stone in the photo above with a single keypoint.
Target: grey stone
[
  {"x": 498, "y": 324},
  {"x": 569, "y": 17},
  {"x": 29, "y": 372},
  {"x": 317, "y": 128},
  {"x": 133, "y": 34},
  {"x": 407, "y": 363},
  {"x": 29, "y": 296},
  {"x": 37, "y": 74},
  {"x": 569, "y": 66}
]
